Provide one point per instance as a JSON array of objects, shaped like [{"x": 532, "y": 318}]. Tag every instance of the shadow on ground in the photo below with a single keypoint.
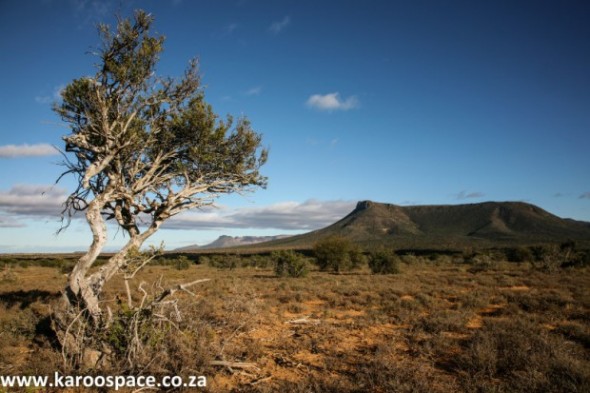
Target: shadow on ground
[{"x": 24, "y": 299}]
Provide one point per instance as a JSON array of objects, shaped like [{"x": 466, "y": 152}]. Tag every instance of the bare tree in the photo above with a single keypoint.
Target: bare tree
[{"x": 143, "y": 149}]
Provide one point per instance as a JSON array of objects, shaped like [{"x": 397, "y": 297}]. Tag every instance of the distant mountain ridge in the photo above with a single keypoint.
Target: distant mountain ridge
[
  {"x": 487, "y": 224},
  {"x": 225, "y": 241}
]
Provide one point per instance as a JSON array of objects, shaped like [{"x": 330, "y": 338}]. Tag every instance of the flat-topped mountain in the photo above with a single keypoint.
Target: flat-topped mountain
[{"x": 485, "y": 224}]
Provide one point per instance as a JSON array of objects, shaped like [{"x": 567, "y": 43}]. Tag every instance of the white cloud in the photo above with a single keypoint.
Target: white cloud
[
  {"x": 40, "y": 149},
  {"x": 48, "y": 99},
  {"x": 254, "y": 91},
  {"x": 278, "y": 26},
  {"x": 331, "y": 143},
  {"x": 332, "y": 102},
  {"x": 10, "y": 222},
  {"x": 26, "y": 201},
  {"x": 32, "y": 200},
  {"x": 469, "y": 195},
  {"x": 43, "y": 99},
  {"x": 309, "y": 215}
]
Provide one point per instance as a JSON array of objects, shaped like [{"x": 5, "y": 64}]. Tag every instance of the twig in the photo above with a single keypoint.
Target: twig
[
  {"x": 66, "y": 335},
  {"x": 231, "y": 336},
  {"x": 128, "y": 277},
  {"x": 223, "y": 363},
  {"x": 179, "y": 287},
  {"x": 168, "y": 320},
  {"x": 145, "y": 262},
  {"x": 304, "y": 320},
  {"x": 145, "y": 294},
  {"x": 144, "y": 388},
  {"x": 109, "y": 317},
  {"x": 254, "y": 383},
  {"x": 129, "y": 299}
]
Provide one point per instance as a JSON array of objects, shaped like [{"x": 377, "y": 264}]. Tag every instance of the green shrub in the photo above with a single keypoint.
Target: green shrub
[
  {"x": 541, "y": 252},
  {"x": 338, "y": 254},
  {"x": 211, "y": 260},
  {"x": 182, "y": 263},
  {"x": 257, "y": 261},
  {"x": 260, "y": 261},
  {"x": 8, "y": 276},
  {"x": 481, "y": 263},
  {"x": 551, "y": 257},
  {"x": 289, "y": 263},
  {"x": 580, "y": 259},
  {"x": 411, "y": 258},
  {"x": 67, "y": 267},
  {"x": 24, "y": 264},
  {"x": 53, "y": 262},
  {"x": 298, "y": 268},
  {"x": 228, "y": 261},
  {"x": 384, "y": 262},
  {"x": 519, "y": 254}
]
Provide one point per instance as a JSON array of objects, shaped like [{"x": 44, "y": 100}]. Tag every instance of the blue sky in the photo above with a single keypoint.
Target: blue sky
[{"x": 421, "y": 102}]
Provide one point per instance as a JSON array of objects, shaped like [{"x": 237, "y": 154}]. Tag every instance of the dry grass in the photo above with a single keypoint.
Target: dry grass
[{"x": 435, "y": 327}]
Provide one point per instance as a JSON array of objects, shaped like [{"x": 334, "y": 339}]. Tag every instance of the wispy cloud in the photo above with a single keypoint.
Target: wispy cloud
[
  {"x": 48, "y": 99},
  {"x": 278, "y": 26},
  {"x": 43, "y": 99},
  {"x": 41, "y": 149},
  {"x": 309, "y": 215},
  {"x": 254, "y": 91},
  {"x": 90, "y": 12},
  {"x": 332, "y": 102},
  {"x": 97, "y": 7},
  {"x": 9, "y": 222},
  {"x": 331, "y": 143},
  {"x": 469, "y": 195},
  {"x": 226, "y": 31},
  {"x": 32, "y": 200},
  {"x": 585, "y": 195}
]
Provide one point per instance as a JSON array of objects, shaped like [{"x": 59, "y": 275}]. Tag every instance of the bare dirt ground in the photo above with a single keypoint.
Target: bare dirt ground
[{"x": 435, "y": 327}]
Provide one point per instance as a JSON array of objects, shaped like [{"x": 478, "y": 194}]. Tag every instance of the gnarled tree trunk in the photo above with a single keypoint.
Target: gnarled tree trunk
[
  {"x": 80, "y": 309},
  {"x": 79, "y": 293}
]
